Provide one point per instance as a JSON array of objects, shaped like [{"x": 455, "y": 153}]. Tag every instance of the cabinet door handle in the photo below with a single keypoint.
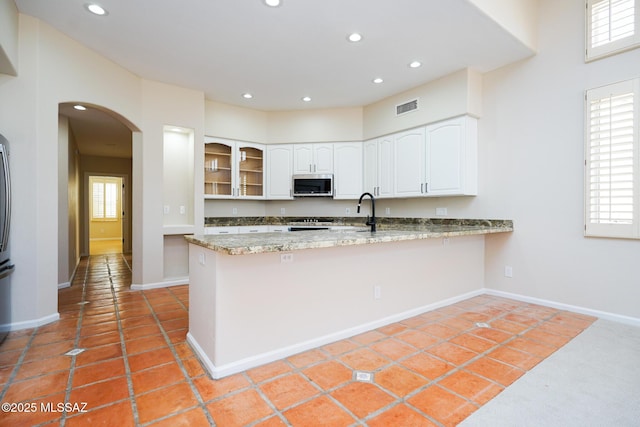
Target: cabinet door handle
[
  {"x": 426, "y": 187},
  {"x": 421, "y": 188}
]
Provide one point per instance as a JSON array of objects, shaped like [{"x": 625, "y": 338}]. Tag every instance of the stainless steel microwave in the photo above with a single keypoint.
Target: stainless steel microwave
[{"x": 313, "y": 185}]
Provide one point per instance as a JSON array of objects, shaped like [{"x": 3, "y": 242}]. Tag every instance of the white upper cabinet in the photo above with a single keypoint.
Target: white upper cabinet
[
  {"x": 347, "y": 163},
  {"x": 378, "y": 166},
  {"x": 313, "y": 158},
  {"x": 439, "y": 159},
  {"x": 409, "y": 163},
  {"x": 233, "y": 169},
  {"x": 279, "y": 171},
  {"x": 451, "y": 154},
  {"x": 435, "y": 160}
]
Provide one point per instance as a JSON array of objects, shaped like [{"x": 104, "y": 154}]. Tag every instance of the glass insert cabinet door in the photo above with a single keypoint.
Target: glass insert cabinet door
[
  {"x": 217, "y": 169},
  {"x": 233, "y": 170},
  {"x": 251, "y": 172}
]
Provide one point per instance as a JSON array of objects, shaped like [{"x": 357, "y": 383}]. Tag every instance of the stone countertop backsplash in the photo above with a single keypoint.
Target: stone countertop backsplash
[
  {"x": 389, "y": 230},
  {"x": 382, "y": 222}
]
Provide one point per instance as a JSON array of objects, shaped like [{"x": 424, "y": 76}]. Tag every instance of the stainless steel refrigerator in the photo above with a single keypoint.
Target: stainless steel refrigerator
[{"x": 6, "y": 266}]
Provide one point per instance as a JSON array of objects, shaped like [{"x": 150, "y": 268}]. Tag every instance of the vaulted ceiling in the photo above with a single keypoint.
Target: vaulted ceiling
[{"x": 226, "y": 48}]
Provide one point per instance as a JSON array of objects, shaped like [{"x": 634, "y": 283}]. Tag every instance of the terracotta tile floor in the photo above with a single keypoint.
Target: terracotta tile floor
[{"x": 137, "y": 370}]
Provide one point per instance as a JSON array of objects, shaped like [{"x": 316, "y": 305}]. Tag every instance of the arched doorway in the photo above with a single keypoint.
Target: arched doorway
[{"x": 98, "y": 142}]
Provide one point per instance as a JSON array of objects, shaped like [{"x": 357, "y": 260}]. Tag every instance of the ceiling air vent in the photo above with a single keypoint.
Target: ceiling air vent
[{"x": 407, "y": 107}]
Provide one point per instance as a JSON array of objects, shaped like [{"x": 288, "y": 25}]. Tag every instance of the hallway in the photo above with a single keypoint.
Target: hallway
[{"x": 134, "y": 368}]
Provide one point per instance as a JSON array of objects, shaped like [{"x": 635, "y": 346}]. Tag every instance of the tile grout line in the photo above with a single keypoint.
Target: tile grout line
[
  {"x": 18, "y": 364},
  {"x": 189, "y": 380},
  {"x": 458, "y": 368},
  {"x": 67, "y": 394},
  {"x": 125, "y": 357}
]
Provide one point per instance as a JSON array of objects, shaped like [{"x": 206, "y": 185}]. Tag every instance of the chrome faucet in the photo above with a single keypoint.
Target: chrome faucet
[{"x": 370, "y": 221}]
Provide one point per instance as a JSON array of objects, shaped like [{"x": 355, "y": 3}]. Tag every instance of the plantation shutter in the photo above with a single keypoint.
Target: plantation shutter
[
  {"x": 105, "y": 198},
  {"x": 111, "y": 200},
  {"x": 612, "y": 25},
  {"x": 98, "y": 200},
  {"x": 611, "y": 161}
]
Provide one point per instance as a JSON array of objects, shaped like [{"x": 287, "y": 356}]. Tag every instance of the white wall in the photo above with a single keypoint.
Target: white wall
[
  {"x": 237, "y": 123},
  {"x": 531, "y": 136},
  {"x": 162, "y": 105},
  {"x": 452, "y": 95},
  {"x": 334, "y": 125}
]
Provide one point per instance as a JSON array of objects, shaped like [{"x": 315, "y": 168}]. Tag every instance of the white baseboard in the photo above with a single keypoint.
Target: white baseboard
[
  {"x": 633, "y": 321},
  {"x": 165, "y": 284},
  {"x": 221, "y": 371},
  {"x": 73, "y": 275},
  {"x": 30, "y": 323}
]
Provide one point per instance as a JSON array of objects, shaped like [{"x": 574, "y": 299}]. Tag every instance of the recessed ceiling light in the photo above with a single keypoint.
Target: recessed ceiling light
[
  {"x": 96, "y": 9},
  {"x": 80, "y": 107},
  {"x": 247, "y": 96},
  {"x": 377, "y": 80},
  {"x": 272, "y": 3},
  {"x": 354, "y": 37},
  {"x": 306, "y": 99},
  {"x": 415, "y": 64}
]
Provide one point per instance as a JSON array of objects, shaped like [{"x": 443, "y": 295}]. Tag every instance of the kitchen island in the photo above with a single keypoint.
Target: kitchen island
[{"x": 255, "y": 298}]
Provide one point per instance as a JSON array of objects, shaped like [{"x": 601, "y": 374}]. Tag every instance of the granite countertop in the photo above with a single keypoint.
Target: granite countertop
[{"x": 389, "y": 230}]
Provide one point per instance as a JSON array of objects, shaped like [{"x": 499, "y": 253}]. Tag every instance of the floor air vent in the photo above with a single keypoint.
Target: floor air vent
[{"x": 407, "y": 107}]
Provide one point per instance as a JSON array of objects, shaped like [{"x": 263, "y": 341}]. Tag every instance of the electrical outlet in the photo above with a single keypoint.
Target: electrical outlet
[
  {"x": 282, "y": 211},
  {"x": 183, "y": 210},
  {"x": 202, "y": 259},
  {"x": 234, "y": 211},
  {"x": 166, "y": 209},
  {"x": 445, "y": 241},
  {"x": 387, "y": 211},
  {"x": 286, "y": 258},
  {"x": 441, "y": 211},
  {"x": 347, "y": 211},
  {"x": 377, "y": 292},
  {"x": 508, "y": 271}
]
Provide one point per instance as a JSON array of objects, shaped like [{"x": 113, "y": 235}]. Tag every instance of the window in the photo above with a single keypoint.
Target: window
[
  {"x": 612, "y": 27},
  {"x": 612, "y": 177},
  {"x": 105, "y": 200}
]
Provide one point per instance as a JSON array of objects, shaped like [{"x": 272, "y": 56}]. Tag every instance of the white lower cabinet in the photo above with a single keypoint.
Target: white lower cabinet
[
  {"x": 246, "y": 229},
  {"x": 221, "y": 230}
]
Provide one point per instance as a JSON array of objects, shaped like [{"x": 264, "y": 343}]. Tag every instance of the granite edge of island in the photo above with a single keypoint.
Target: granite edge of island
[{"x": 390, "y": 230}]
